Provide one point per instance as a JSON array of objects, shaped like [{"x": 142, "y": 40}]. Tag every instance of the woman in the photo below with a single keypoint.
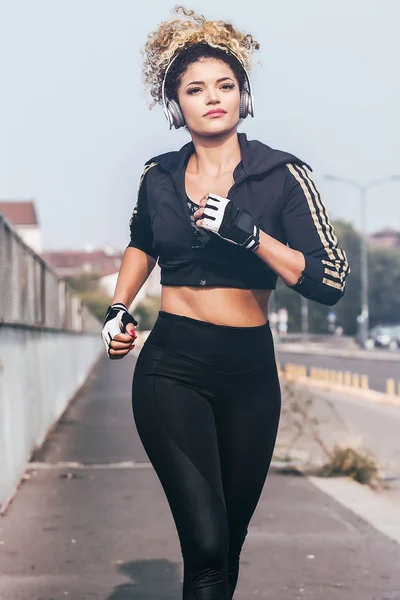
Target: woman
[{"x": 224, "y": 216}]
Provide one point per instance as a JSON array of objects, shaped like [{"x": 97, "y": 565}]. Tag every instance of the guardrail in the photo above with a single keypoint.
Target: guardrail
[
  {"x": 49, "y": 340},
  {"x": 32, "y": 294}
]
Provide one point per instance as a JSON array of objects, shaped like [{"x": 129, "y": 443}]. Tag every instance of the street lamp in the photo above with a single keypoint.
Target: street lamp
[{"x": 364, "y": 244}]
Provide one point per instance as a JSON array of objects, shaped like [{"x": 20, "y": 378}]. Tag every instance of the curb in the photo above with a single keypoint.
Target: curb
[{"x": 381, "y": 513}]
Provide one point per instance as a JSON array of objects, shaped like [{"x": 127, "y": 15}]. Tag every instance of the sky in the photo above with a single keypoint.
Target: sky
[{"x": 76, "y": 129}]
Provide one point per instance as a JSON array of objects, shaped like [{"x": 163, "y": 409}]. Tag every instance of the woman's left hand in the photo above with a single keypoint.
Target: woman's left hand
[{"x": 223, "y": 217}]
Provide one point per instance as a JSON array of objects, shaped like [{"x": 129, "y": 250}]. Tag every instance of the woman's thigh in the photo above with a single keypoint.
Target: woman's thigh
[
  {"x": 176, "y": 424},
  {"x": 247, "y": 418}
]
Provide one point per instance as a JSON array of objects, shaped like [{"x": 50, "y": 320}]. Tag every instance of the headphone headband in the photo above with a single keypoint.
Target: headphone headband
[{"x": 168, "y": 114}]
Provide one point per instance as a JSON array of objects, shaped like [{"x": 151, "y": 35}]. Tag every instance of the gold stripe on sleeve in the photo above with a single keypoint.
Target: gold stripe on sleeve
[
  {"x": 341, "y": 264},
  {"x": 333, "y": 284},
  {"x": 324, "y": 232}
]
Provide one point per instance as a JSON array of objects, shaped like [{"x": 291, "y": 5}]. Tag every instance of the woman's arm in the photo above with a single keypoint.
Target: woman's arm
[
  {"x": 311, "y": 262},
  {"x": 286, "y": 262},
  {"x": 140, "y": 256},
  {"x": 314, "y": 257},
  {"x": 135, "y": 268}
]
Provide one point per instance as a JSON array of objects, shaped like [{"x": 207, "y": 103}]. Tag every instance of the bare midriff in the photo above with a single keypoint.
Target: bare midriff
[{"x": 219, "y": 305}]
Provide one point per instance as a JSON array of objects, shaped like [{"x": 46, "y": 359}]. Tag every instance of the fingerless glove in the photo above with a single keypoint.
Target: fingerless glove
[
  {"x": 116, "y": 319},
  {"x": 223, "y": 217}
]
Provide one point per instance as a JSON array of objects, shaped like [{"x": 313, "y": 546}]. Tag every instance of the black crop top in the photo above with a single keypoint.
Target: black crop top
[{"x": 275, "y": 188}]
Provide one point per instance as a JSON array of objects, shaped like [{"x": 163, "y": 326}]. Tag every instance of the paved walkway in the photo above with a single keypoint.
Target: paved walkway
[{"x": 91, "y": 522}]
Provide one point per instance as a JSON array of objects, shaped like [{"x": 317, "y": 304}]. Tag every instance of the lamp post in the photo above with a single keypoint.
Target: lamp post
[
  {"x": 364, "y": 243},
  {"x": 304, "y": 319}
]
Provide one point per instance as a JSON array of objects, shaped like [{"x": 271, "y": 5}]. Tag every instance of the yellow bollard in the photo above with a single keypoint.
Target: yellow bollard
[
  {"x": 332, "y": 376},
  {"x": 340, "y": 377},
  {"x": 347, "y": 378},
  {"x": 364, "y": 382},
  {"x": 390, "y": 389},
  {"x": 356, "y": 380}
]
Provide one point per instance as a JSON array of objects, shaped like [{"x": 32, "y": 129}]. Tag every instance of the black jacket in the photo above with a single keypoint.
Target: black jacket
[{"x": 272, "y": 185}]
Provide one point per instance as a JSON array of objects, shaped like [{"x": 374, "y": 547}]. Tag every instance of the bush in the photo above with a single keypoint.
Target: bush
[{"x": 348, "y": 462}]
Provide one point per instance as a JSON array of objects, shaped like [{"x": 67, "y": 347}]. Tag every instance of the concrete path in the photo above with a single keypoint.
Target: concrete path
[{"x": 91, "y": 522}]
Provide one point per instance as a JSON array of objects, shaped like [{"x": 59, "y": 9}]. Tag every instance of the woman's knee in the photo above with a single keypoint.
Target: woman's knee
[
  {"x": 211, "y": 550},
  {"x": 215, "y": 552}
]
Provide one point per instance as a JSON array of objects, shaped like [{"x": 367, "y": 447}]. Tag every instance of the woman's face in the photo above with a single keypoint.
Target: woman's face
[{"x": 209, "y": 85}]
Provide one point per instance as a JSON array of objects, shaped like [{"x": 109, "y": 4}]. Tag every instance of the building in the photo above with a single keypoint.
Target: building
[
  {"x": 23, "y": 217},
  {"x": 385, "y": 238},
  {"x": 72, "y": 263},
  {"x": 104, "y": 263}
]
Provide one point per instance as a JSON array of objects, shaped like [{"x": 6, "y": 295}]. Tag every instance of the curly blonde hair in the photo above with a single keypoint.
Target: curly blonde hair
[{"x": 171, "y": 37}]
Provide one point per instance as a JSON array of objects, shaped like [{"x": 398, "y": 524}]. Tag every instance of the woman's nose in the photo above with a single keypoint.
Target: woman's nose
[{"x": 212, "y": 97}]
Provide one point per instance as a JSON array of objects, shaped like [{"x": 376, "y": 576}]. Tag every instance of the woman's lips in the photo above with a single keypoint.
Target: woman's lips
[{"x": 218, "y": 113}]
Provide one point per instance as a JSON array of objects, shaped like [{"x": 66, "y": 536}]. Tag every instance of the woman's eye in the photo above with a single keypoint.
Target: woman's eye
[
  {"x": 225, "y": 86},
  {"x": 193, "y": 90}
]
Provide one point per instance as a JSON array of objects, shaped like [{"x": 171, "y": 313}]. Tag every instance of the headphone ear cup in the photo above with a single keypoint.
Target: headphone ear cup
[
  {"x": 176, "y": 114},
  {"x": 243, "y": 105},
  {"x": 246, "y": 104}
]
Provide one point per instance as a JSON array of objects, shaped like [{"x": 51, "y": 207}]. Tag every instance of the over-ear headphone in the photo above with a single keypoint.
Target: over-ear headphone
[{"x": 173, "y": 112}]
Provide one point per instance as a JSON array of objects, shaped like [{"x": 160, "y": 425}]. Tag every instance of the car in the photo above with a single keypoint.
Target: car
[{"x": 384, "y": 336}]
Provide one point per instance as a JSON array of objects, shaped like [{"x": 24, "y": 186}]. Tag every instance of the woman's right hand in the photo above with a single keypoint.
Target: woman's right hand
[
  {"x": 122, "y": 343},
  {"x": 118, "y": 332}
]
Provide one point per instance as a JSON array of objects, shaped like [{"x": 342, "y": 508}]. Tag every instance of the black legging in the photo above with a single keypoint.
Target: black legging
[{"x": 206, "y": 402}]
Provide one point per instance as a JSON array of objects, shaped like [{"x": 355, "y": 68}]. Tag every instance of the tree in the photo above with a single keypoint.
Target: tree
[
  {"x": 89, "y": 289},
  {"x": 384, "y": 288},
  {"x": 146, "y": 311}
]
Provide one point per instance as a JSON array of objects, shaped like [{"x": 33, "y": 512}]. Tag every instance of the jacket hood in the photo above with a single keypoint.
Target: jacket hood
[{"x": 257, "y": 157}]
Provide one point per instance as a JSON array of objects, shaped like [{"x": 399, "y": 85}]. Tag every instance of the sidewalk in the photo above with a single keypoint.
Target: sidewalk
[{"x": 91, "y": 522}]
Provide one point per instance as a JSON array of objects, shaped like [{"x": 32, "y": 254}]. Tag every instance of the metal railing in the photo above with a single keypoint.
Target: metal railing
[{"x": 31, "y": 293}]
